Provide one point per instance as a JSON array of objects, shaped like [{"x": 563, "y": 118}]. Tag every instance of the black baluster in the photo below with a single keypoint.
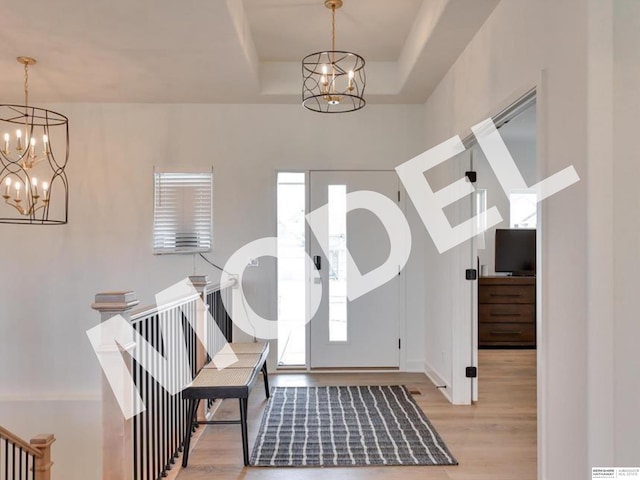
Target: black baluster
[
  {"x": 154, "y": 409},
  {"x": 6, "y": 457},
  {"x": 147, "y": 411},
  {"x": 135, "y": 418},
  {"x": 173, "y": 405},
  {"x": 162, "y": 407},
  {"x": 13, "y": 459},
  {"x": 20, "y": 452}
]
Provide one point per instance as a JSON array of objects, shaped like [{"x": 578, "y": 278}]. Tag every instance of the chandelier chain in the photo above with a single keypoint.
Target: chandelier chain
[
  {"x": 333, "y": 27},
  {"x": 333, "y": 31},
  {"x": 26, "y": 101},
  {"x": 26, "y": 84}
]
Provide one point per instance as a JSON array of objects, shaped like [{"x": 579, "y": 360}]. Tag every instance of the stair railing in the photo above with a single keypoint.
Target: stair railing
[{"x": 20, "y": 460}]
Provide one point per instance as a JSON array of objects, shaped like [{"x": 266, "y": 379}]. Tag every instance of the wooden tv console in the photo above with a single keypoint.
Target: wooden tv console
[{"x": 507, "y": 312}]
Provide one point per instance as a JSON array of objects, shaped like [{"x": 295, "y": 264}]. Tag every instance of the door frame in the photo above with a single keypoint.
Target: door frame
[
  {"x": 511, "y": 108},
  {"x": 402, "y": 303},
  {"x": 535, "y": 88}
]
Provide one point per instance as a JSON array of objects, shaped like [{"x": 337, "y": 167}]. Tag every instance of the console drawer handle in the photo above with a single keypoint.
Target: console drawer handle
[
  {"x": 497, "y": 314},
  {"x": 514, "y": 332},
  {"x": 505, "y": 294}
]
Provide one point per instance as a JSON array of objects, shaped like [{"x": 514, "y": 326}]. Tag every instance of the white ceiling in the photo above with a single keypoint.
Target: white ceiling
[
  {"x": 225, "y": 51},
  {"x": 360, "y": 27}
]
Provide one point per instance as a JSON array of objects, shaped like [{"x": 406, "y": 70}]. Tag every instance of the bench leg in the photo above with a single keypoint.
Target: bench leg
[
  {"x": 193, "y": 408},
  {"x": 243, "y": 425},
  {"x": 265, "y": 374}
]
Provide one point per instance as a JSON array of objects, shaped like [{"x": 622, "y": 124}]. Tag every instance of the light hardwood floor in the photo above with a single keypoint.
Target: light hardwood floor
[{"x": 495, "y": 439}]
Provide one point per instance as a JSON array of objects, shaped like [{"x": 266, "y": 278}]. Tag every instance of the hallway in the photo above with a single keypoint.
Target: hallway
[{"x": 494, "y": 439}]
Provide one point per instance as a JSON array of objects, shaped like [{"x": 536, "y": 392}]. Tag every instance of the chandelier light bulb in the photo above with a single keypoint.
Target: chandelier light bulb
[
  {"x": 325, "y": 83},
  {"x": 45, "y": 145},
  {"x": 19, "y": 143}
]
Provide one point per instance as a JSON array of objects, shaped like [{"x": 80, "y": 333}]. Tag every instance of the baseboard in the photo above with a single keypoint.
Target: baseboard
[
  {"x": 438, "y": 381},
  {"x": 414, "y": 366},
  {"x": 55, "y": 397}
]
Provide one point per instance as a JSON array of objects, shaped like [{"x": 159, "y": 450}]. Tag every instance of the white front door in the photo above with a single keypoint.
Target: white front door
[{"x": 363, "y": 332}]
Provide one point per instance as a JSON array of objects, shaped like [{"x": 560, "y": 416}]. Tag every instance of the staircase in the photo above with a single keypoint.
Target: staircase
[{"x": 20, "y": 460}]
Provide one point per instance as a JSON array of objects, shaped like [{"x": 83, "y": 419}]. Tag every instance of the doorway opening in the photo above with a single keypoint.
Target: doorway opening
[
  {"x": 291, "y": 194},
  {"x": 508, "y": 313}
]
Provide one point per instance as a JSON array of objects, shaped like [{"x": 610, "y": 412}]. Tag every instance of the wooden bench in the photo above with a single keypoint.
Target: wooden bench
[{"x": 233, "y": 380}]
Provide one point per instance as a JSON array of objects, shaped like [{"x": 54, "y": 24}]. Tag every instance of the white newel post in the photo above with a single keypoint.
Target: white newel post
[
  {"x": 200, "y": 283},
  {"x": 117, "y": 447}
]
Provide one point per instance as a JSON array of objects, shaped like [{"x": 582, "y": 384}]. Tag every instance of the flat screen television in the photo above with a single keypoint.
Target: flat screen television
[{"x": 516, "y": 251}]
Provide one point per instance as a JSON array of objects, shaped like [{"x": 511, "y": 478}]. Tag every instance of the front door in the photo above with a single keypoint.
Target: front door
[{"x": 363, "y": 332}]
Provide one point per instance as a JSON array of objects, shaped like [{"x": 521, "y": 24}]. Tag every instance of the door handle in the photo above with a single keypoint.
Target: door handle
[{"x": 317, "y": 262}]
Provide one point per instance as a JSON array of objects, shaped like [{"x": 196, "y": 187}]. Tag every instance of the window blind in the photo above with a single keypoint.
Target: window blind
[{"x": 182, "y": 212}]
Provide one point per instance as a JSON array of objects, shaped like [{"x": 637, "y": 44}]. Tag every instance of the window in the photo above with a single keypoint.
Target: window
[
  {"x": 291, "y": 194},
  {"x": 338, "y": 328},
  {"x": 481, "y": 217},
  {"x": 523, "y": 209},
  {"x": 182, "y": 212}
]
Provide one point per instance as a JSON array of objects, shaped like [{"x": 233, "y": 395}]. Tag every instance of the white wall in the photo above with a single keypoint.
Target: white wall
[
  {"x": 626, "y": 233},
  {"x": 600, "y": 260},
  {"x": 76, "y": 424},
  {"x": 50, "y": 274},
  {"x": 520, "y": 40}
]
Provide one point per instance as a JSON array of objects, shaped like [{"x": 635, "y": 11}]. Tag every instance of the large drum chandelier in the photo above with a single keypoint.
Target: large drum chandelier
[{"x": 34, "y": 149}]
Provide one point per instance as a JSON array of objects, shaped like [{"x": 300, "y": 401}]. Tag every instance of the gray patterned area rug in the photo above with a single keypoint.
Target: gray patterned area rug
[{"x": 346, "y": 426}]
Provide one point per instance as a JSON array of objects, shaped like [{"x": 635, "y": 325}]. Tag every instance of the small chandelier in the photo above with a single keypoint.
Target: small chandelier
[
  {"x": 333, "y": 81},
  {"x": 33, "y": 182}
]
